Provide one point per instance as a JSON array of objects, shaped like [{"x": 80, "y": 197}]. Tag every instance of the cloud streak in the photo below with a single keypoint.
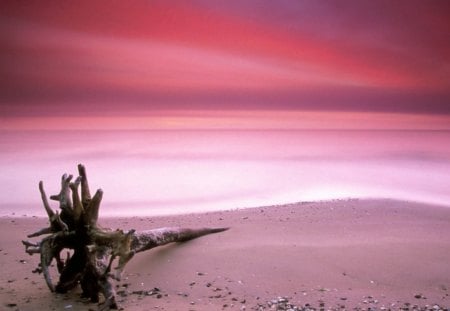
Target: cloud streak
[{"x": 137, "y": 57}]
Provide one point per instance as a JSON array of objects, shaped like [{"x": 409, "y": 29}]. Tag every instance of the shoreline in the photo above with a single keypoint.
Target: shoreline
[
  {"x": 21, "y": 214},
  {"x": 355, "y": 253}
]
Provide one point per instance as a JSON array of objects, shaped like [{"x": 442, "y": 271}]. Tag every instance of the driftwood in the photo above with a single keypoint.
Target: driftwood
[{"x": 93, "y": 250}]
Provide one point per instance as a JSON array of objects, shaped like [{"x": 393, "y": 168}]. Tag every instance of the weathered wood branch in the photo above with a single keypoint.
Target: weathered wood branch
[
  {"x": 93, "y": 250},
  {"x": 78, "y": 209},
  {"x": 63, "y": 197}
]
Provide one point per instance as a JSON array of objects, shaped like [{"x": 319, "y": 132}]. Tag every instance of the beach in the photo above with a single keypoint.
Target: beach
[
  {"x": 305, "y": 144},
  {"x": 341, "y": 254}
]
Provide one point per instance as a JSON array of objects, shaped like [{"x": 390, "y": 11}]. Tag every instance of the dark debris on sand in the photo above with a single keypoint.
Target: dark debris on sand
[{"x": 284, "y": 304}]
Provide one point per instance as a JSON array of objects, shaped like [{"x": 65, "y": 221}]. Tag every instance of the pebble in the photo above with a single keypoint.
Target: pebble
[
  {"x": 284, "y": 304},
  {"x": 419, "y": 296}
]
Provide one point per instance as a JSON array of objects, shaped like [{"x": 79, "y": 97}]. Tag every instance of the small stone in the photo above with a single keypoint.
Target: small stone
[
  {"x": 419, "y": 296},
  {"x": 122, "y": 293}
]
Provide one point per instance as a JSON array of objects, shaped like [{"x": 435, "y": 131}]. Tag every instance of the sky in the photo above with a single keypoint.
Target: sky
[{"x": 224, "y": 64}]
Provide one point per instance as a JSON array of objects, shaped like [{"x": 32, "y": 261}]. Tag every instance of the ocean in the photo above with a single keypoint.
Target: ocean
[{"x": 156, "y": 172}]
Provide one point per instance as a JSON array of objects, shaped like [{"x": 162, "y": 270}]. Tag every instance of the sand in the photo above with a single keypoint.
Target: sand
[{"x": 339, "y": 254}]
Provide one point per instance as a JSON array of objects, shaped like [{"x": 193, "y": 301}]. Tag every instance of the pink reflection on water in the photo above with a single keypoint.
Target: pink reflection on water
[{"x": 163, "y": 172}]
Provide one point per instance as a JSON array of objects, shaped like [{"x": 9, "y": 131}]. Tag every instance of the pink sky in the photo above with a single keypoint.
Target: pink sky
[{"x": 225, "y": 64}]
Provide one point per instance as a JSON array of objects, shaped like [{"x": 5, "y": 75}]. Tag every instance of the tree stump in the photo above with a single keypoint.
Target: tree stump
[{"x": 94, "y": 250}]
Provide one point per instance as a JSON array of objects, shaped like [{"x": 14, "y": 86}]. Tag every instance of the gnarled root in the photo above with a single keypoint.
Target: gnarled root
[{"x": 93, "y": 249}]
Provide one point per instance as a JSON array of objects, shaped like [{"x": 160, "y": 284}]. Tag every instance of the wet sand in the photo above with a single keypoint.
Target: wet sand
[{"x": 343, "y": 254}]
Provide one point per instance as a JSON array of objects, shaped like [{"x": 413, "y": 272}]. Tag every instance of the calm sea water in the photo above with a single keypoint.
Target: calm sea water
[{"x": 165, "y": 172}]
